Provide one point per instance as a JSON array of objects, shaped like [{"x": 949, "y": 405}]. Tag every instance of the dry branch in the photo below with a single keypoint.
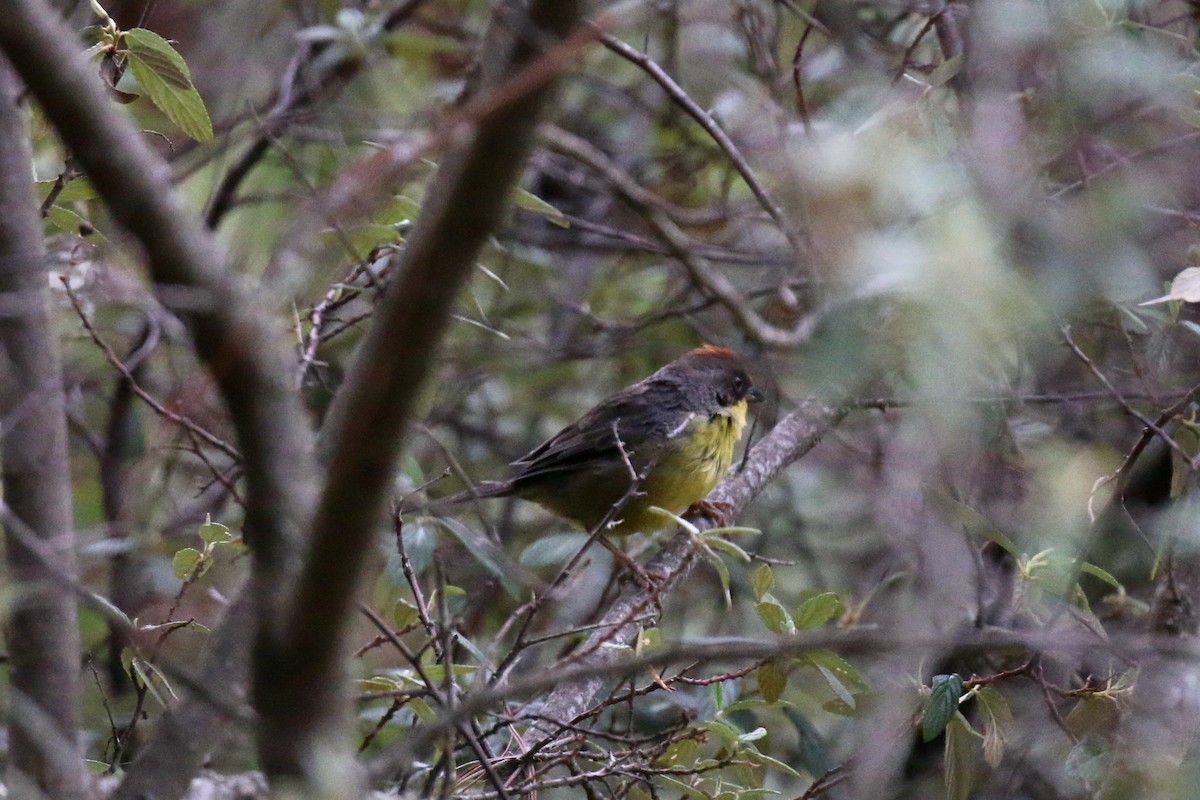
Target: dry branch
[
  {"x": 304, "y": 697},
  {"x": 42, "y": 631}
]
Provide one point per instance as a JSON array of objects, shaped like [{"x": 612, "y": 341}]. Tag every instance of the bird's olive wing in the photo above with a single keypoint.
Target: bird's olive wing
[{"x": 643, "y": 416}]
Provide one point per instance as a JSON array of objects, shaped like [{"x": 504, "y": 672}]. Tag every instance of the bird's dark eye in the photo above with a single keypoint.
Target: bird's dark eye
[{"x": 739, "y": 383}]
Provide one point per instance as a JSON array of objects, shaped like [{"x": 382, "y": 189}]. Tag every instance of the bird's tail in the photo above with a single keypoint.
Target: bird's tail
[{"x": 480, "y": 490}]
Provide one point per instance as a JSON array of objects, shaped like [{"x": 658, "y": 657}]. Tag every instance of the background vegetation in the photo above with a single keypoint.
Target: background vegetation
[{"x": 313, "y": 265}]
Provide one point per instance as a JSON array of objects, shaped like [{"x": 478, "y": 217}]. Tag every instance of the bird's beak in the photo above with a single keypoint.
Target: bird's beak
[{"x": 754, "y": 396}]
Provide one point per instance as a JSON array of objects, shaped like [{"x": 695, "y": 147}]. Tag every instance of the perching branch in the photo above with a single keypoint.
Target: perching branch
[{"x": 794, "y": 436}]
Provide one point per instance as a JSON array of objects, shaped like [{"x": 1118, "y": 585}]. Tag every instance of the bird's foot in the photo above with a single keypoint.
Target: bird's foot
[{"x": 715, "y": 511}]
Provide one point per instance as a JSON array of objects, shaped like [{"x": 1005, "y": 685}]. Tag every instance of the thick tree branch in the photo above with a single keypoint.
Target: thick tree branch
[
  {"x": 241, "y": 346},
  {"x": 42, "y": 631},
  {"x": 301, "y": 691}
]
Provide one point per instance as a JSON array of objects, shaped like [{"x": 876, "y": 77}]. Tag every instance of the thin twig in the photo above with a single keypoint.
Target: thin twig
[
  {"x": 699, "y": 268},
  {"x": 797, "y": 76},
  {"x": 145, "y": 396},
  {"x": 1116, "y": 394},
  {"x": 443, "y": 699},
  {"x": 705, "y": 120}
]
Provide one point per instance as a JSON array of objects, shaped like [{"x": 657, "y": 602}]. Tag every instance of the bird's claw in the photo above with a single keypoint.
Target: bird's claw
[{"x": 715, "y": 511}]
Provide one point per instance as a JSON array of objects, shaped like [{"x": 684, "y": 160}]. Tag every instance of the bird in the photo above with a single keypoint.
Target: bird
[{"x": 663, "y": 442}]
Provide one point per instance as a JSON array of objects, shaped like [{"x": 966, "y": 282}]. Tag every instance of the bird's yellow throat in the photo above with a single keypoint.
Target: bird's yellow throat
[{"x": 686, "y": 474}]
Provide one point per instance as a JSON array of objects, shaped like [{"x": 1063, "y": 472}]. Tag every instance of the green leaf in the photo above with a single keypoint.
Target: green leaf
[
  {"x": 419, "y": 543},
  {"x": 727, "y": 547},
  {"x": 774, "y": 615},
  {"x": 456, "y": 600},
  {"x": 997, "y": 719},
  {"x": 437, "y": 672},
  {"x": 72, "y": 191},
  {"x": 753, "y": 704},
  {"x": 166, "y": 80},
  {"x": 1102, "y": 574},
  {"x": 420, "y": 46},
  {"x": 942, "y": 705},
  {"x": 727, "y": 733},
  {"x": 650, "y": 638},
  {"x": 762, "y": 579},
  {"x": 688, "y": 791},
  {"x": 717, "y": 690},
  {"x": 755, "y": 735},
  {"x": 772, "y": 680},
  {"x": 189, "y": 563},
  {"x": 489, "y": 556},
  {"x": 214, "y": 532},
  {"x": 1089, "y": 759},
  {"x": 67, "y": 221},
  {"x": 1052, "y": 572},
  {"x": 404, "y": 613},
  {"x": 1091, "y": 715},
  {"x": 552, "y": 550},
  {"x": 531, "y": 202},
  {"x": 972, "y": 521},
  {"x": 945, "y": 71},
  {"x": 149, "y": 675},
  {"x": 842, "y": 678},
  {"x": 379, "y": 683},
  {"x": 816, "y": 611},
  {"x": 718, "y": 564},
  {"x": 422, "y": 709},
  {"x": 765, "y": 760},
  {"x": 474, "y": 650},
  {"x": 681, "y": 752},
  {"x": 810, "y": 745},
  {"x": 959, "y": 759}
]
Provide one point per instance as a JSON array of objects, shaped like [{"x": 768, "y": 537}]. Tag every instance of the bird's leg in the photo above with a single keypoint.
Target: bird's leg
[
  {"x": 715, "y": 511},
  {"x": 648, "y": 581}
]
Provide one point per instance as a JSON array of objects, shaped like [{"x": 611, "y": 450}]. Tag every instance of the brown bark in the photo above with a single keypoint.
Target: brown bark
[
  {"x": 242, "y": 347},
  {"x": 301, "y": 684},
  {"x": 42, "y": 631}
]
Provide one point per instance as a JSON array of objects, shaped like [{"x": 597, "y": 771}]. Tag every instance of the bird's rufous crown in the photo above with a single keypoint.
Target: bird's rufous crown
[{"x": 713, "y": 350}]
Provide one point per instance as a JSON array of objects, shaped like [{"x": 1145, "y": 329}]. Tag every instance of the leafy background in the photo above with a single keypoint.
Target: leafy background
[{"x": 967, "y": 206}]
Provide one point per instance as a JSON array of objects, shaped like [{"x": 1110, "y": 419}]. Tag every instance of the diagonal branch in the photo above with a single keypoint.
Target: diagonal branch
[
  {"x": 243, "y": 347},
  {"x": 301, "y": 689},
  {"x": 701, "y": 270},
  {"x": 710, "y": 126},
  {"x": 795, "y": 435}
]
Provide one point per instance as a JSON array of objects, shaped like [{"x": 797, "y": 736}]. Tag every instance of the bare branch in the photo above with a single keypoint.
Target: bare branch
[
  {"x": 42, "y": 630},
  {"x": 303, "y": 702},
  {"x": 710, "y": 126}
]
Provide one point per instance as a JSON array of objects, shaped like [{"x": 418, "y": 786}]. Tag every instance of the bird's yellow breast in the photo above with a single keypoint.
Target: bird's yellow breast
[{"x": 684, "y": 474}]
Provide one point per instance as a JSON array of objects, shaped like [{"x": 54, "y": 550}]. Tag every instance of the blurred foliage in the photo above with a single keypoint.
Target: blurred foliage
[{"x": 977, "y": 200}]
